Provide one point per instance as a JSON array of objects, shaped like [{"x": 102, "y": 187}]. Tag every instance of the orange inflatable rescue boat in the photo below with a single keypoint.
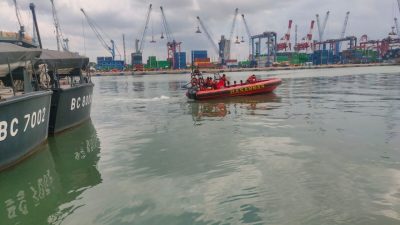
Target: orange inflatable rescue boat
[{"x": 219, "y": 87}]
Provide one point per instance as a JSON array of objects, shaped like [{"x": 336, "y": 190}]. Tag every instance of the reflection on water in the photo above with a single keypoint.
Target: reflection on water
[
  {"x": 35, "y": 191},
  {"x": 222, "y": 107}
]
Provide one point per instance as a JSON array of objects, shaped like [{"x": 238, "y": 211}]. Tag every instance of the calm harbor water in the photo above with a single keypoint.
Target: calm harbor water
[{"x": 323, "y": 149}]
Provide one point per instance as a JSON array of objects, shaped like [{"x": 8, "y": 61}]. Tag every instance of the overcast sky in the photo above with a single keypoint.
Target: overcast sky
[{"x": 117, "y": 17}]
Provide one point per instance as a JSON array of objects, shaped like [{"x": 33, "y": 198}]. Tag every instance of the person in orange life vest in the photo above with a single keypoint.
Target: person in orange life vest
[
  {"x": 251, "y": 79},
  {"x": 221, "y": 82}
]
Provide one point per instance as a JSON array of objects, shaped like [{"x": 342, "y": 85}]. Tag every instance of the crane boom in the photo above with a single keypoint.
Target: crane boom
[
  {"x": 342, "y": 34},
  {"x": 208, "y": 35},
  {"x": 233, "y": 24},
  {"x": 310, "y": 32},
  {"x": 59, "y": 36},
  {"x": 98, "y": 35},
  {"x": 324, "y": 25},
  {"x": 345, "y": 25},
  {"x": 21, "y": 31},
  {"x": 397, "y": 26},
  {"x": 398, "y": 4},
  {"x": 287, "y": 35},
  {"x": 145, "y": 29},
  {"x": 167, "y": 30},
  {"x": 18, "y": 14},
  {"x": 247, "y": 27},
  {"x": 321, "y": 28}
]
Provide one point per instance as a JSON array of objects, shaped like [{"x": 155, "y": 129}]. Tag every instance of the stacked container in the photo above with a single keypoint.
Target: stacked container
[
  {"x": 198, "y": 54},
  {"x": 136, "y": 58},
  {"x": 163, "y": 64},
  {"x": 106, "y": 63},
  {"x": 151, "y": 62},
  {"x": 180, "y": 60},
  {"x": 321, "y": 57}
]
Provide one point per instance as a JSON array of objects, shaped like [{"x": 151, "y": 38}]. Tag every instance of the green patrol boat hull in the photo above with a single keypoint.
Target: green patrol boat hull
[
  {"x": 24, "y": 121},
  {"x": 70, "y": 107}
]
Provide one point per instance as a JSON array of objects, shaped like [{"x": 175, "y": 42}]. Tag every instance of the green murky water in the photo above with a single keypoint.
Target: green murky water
[{"x": 323, "y": 149}]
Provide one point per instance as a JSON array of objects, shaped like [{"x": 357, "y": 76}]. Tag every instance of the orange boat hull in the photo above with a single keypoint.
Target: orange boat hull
[{"x": 259, "y": 87}]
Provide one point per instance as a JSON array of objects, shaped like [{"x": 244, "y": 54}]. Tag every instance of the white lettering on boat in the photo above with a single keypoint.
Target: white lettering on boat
[
  {"x": 80, "y": 102},
  {"x": 32, "y": 120}
]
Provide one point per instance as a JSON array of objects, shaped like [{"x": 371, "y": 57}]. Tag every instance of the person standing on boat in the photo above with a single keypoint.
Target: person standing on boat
[
  {"x": 251, "y": 79},
  {"x": 221, "y": 82}
]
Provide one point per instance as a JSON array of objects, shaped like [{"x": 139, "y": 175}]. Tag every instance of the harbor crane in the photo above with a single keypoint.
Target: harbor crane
[
  {"x": 172, "y": 45},
  {"x": 321, "y": 28},
  {"x": 285, "y": 40},
  {"x": 59, "y": 35},
  {"x": 306, "y": 43},
  {"x": 215, "y": 47},
  {"x": 91, "y": 23}
]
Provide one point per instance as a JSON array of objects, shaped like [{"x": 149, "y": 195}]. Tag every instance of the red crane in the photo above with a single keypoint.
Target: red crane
[
  {"x": 285, "y": 44},
  {"x": 306, "y": 42}
]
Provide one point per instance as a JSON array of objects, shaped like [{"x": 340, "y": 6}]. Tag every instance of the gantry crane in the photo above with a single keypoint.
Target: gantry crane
[
  {"x": 285, "y": 40},
  {"x": 109, "y": 48},
  {"x": 321, "y": 29},
  {"x": 59, "y": 35},
  {"x": 172, "y": 45},
  {"x": 306, "y": 42}
]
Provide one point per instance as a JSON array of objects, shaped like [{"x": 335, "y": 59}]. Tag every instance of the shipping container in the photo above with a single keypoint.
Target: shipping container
[
  {"x": 152, "y": 62},
  {"x": 202, "y": 60},
  {"x": 136, "y": 58},
  {"x": 110, "y": 64},
  {"x": 198, "y": 54},
  {"x": 244, "y": 64},
  {"x": 164, "y": 64},
  {"x": 180, "y": 60}
]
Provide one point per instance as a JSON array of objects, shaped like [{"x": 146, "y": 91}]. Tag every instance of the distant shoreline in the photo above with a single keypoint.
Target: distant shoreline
[{"x": 188, "y": 71}]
